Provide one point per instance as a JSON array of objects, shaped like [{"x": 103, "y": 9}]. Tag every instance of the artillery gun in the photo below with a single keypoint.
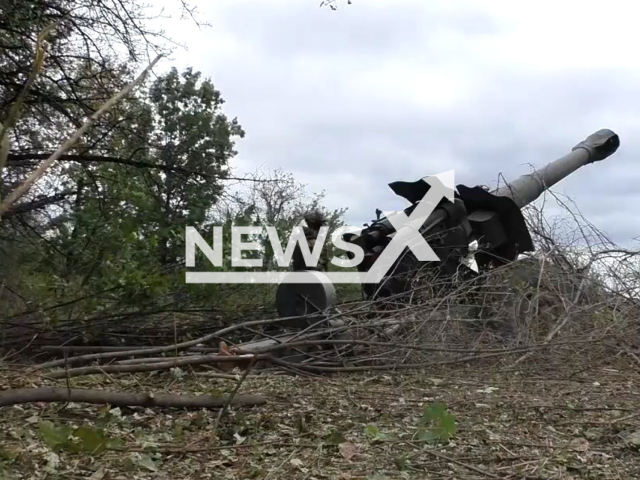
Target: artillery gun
[{"x": 491, "y": 218}]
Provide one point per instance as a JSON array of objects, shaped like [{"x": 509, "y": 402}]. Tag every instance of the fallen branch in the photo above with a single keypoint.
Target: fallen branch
[
  {"x": 244, "y": 359},
  {"x": 133, "y": 361},
  {"x": 387, "y": 367},
  {"x": 231, "y": 397},
  {"x": 125, "y": 399},
  {"x": 109, "y": 353},
  {"x": 208, "y": 359},
  {"x": 84, "y": 348},
  {"x": 153, "y": 350},
  {"x": 156, "y": 366}
]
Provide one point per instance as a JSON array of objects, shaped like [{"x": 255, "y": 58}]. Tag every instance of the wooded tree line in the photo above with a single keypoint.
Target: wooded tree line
[{"x": 104, "y": 228}]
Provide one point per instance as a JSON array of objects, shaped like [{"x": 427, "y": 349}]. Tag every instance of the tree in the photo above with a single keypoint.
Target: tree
[
  {"x": 138, "y": 217},
  {"x": 193, "y": 134},
  {"x": 277, "y": 199},
  {"x": 104, "y": 228},
  {"x": 93, "y": 50},
  {"x": 123, "y": 227}
]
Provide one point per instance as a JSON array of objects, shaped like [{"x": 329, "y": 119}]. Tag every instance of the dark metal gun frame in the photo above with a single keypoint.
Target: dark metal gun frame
[{"x": 494, "y": 219}]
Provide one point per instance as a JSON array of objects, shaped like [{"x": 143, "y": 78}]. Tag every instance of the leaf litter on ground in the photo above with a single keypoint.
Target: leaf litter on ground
[{"x": 353, "y": 426}]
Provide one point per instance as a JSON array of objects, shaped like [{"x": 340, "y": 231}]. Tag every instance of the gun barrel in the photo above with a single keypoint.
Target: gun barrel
[{"x": 527, "y": 188}]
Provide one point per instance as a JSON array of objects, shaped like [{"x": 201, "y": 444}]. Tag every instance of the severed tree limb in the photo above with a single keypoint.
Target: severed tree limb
[
  {"x": 244, "y": 355},
  {"x": 133, "y": 361},
  {"x": 117, "y": 353},
  {"x": 156, "y": 366},
  {"x": 245, "y": 360},
  {"x": 84, "y": 348},
  {"x": 125, "y": 399},
  {"x": 275, "y": 347},
  {"x": 147, "y": 351}
]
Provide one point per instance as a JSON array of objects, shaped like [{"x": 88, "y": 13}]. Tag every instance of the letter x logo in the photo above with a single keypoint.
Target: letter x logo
[{"x": 408, "y": 230}]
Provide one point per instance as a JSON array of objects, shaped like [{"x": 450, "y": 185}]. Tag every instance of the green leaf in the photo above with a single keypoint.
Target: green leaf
[
  {"x": 373, "y": 433},
  {"x": 400, "y": 462},
  {"x": 436, "y": 424},
  {"x": 92, "y": 441},
  {"x": 9, "y": 454},
  {"x": 57, "y": 438}
]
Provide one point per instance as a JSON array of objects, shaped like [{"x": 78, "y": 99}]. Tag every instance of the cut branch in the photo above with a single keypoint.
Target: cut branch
[
  {"x": 157, "y": 366},
  {"x": 243, "y": 361},
  {"x": 125, "y": 399},
  {"x": 153, "y": 350}
]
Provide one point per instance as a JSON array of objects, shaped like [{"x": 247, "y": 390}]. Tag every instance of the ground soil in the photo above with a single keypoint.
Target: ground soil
[{"x": 552, "y": 420}]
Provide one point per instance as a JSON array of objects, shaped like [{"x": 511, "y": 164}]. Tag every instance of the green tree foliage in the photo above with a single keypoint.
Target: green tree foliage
[
  {"x": 103, "y": 231},
  {"x": 126, "y": 226},
  {"x": 92, "y": 52}
]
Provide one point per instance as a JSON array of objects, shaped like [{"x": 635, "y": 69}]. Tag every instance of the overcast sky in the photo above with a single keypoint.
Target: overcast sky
[{"x": 378, "y": 91}]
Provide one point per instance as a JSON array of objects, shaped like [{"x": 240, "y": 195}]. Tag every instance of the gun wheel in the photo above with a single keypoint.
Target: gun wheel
[{"x": 310, "y": 300}]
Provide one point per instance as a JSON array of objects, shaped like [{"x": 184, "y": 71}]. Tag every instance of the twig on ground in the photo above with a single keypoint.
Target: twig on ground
[{"x": 231, "y": 397}]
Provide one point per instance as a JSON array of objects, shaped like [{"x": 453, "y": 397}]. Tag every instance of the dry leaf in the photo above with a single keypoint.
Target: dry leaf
[
  {"x": 579, "y": 444},
  {"x": 98, "y": 474},
  {"x": 347, "y": 450}
]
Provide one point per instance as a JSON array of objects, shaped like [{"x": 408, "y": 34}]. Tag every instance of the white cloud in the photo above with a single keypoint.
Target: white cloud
[{"x": 379, "y": 91}]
